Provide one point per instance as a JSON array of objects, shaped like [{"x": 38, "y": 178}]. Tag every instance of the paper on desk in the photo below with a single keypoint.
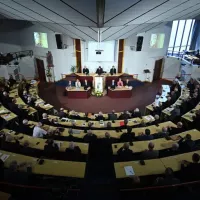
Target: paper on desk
[
  {"x": 4, "y": 157},
  {"x": 129, "y": 171},
  {"x": 6, "y": 116},
  {"x": 2, "y": 111}
]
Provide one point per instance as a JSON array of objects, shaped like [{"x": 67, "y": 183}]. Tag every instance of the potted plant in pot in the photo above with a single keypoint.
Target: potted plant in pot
[{"x": 74, "y": 69}]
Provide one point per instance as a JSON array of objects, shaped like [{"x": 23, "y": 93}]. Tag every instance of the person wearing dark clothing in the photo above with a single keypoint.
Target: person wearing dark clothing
[
  {"x": 11, "y": 80},
  {"x": 164, "y": 133},
  {"x": 196, "y": 120},
  {"x": 124, "y": 153},
  {"x": 173, "y": 97},
  {"x": 62, "y": 113},
  {"x": 99, "y": 117},
  {"x": 86, "y": 70},
  {"x": 113, "y": 85},
  {"x": 25, "y": 128},
  {"x": 145, "y": 136},
  {"x": 51, "y": 149},
  {"x": 8, "y": 145},
  {"x": 124, "y": 115},
  {"x": 179, "y": 129},
  {"x": 186, "y": 144},
  {"x": 89, "y": 137},
  {"x": 113, "y": 70},
  {"x": 136, "y": 113},
  {"x": 127, "y": 83},
  {"x": 128, "y": 136},
  {"x": 191, "y": 85},
  {"x": 86, "y": 85},
  {"x": 73, "y": 152},
  {"x": 45, "y": 119},
  {"x": 99, "y": 70},
  {"x": 190, "y": 170},
  {"x": 174, "y": 150},
  {"x": 112, "y": 116},
  {"x": 150, "y": 153},
  {"x": 167, "y": 103},
  {"x": 169, "y": 178}
]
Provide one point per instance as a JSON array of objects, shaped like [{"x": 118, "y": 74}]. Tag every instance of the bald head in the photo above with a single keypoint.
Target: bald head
[
  {"x": 107, "y": 135},
  {"x": 175, "y": 146},
  {"x": 179, "y": 125},
  {"x": 44, "y": 115},
  {"x": 126, "y": 145},
  {"x": 151, "y": 146}
]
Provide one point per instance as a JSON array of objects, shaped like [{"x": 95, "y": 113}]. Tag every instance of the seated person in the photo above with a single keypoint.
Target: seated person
[
  {"x": 125, "y": 153},
  {"x": 190, "y": 170},
  {"x": 178, "y": 129},
  {"x": 196, "y": 120},
  {"x": 120, "y": 83},
  {"x": 25, "y": 96},
  {"x": 62, "y": 113},
  {"x": 150, "y": 153},
  {"x": 9, "y": 145},
  {"x": 99, "y": 116},
  {"x": 113, "y": 85},
  {"x": 11, "y": 80},
  {"x": 99, "y": 70},
  {"x": 168, "y": 179},
  {"x": 124, "y": 115},
  {"x": 157, "y": 120},
  {"x": 77, "y": 83},
  {"x": 186, "y": 144},
  {"x": 50, "y": 148},
  {"x": 30, "y": 102},
  {"x": 145, "y": 136},
  {"x": 6, "y": 99},
  {"x": 27, "y": 150},
  {"x": 173, "y": 97},
  {"x": 128, "y": 136},
  {"x": 167, "y": 103},
  {"x": 45, "y": 119},
  {"x": 73, "y": 152},
  {"x": 174, "y": 150},
  {"x": 69, "y": 85},
  {"x": 112, "y": 116},
  {"x": 89, "y": 137},
  {"x": 38, "y": 132},
  {"x": 127, "y": 83},
  {"x": 136, "y": 113},
  {"x": 25, "y": 127},
  {"x": 164, "y": 133},
  {"x": 86, "y": 85},
  {"x": 86, "y": 70},
  {"x": 191, "y": 85},
  {"x": 113, "y": 70}
]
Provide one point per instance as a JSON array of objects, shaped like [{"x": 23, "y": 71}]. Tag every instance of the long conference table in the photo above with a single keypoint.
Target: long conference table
[
  {"x": 120, "y": 92},
  {"x": 49, "y": 167},
  {"x": 78, "y": 93}
]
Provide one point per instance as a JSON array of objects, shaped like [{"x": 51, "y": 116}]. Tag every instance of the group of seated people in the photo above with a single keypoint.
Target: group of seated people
[
  {"x": 100, "y": 70},
  {"x": 51, "y": 149}
]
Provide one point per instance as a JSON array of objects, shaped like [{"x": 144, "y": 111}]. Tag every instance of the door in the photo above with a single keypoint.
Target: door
[
  {"x": 157, "y": 69},
  {"x": 41, "y": 70}
]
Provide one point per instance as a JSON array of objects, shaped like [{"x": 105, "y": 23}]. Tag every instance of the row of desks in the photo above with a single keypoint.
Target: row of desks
[
  {"x": 160, "y": 144},
  {"x": 49, "y": 167},
  {"x": 154, "y": 166},
  {"x": 113, "y": 133}
]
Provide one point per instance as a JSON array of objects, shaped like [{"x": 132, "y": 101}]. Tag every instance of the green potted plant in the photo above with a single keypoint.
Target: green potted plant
[
  {"x": 48, "y": 74},
  {"x": 73, "y": 68}
]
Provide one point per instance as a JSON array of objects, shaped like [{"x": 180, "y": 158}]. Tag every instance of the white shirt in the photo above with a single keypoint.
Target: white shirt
[
  {"x": 38, "y": 132},
  {"x": 78, "y": 84}
]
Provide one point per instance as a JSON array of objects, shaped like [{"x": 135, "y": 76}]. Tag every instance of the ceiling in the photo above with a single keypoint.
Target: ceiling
[{"x": 78, "y": 18}]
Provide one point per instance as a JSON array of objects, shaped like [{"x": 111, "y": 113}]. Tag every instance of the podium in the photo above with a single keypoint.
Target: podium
[{"x": 99, "y": 83}]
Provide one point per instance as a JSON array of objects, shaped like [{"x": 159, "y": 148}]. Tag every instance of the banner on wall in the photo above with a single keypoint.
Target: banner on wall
[{"x": 49, "y": 59}]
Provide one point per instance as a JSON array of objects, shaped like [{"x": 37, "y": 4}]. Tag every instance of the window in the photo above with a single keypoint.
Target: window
[{"x": 181, "y": 36}]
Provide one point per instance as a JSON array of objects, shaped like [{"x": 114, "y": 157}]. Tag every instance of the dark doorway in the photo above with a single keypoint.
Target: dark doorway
[
  {"x": 41, "y": 70},
  {"x": 157, "y": 69}
]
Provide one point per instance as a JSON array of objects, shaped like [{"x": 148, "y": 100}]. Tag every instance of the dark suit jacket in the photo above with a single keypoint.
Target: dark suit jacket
[
  {"x": 145, "y": 137},
  {"x": 125, "y": 154},
  {"x": 62, "y": 114},
  {"x": 112, "y": 116},
  {"x": 124, "y": 116},
  {"x": 86, "y": 86},
  {"x": 113, "y": 71},
  {"x": 191, "y": 172},
  {"x": 45, "y": 121},
  {"x": 186, "y": 146},
  {"x": 168, "y": 152},
  {"x": 113, "y": 86},
  {"x": 174, "y": 131},
  {"x": 73, "y": 154},
  {"x": 99, "y": 71},
  {"x": 126, "y": 137},
  {"x": 87, "y": 138},
  {"x": 146, "y": 155},
  {"x": 86, "y": 70},
  {"x": 99, "y": 117},
  {"x": 26, "y": 129}
]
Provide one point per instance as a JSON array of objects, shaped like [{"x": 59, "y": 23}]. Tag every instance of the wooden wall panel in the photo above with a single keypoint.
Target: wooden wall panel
[
  {"x": 78, "y": 54},
  {"x": 121, "y": 56}
]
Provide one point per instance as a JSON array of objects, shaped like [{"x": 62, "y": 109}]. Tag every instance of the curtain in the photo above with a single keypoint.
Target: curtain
[{"x": 195, "y": 42}]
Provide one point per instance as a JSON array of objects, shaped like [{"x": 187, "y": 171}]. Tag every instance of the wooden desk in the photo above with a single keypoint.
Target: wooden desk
[
  {"x": 6, "y": 114},
  {"x": 188, "y": 117},
  {"x": 160, "y": 143},
  {"x": 78, "y": 93},
  {"x": 50, "y": 167},
  {"x": 42, "y": 142},
  {"x": 96, "y": 124},
  {"x": 120, "y": 92},
  {"x": 151, "y": 167}
]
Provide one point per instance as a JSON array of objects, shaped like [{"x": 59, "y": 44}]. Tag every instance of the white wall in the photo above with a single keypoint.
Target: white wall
[
  {"x": 63, "y": 58},
  {"x": 136, "y": 62},
  {"x": 9, "y": 42},
  {"x": 94, "y": 65}
]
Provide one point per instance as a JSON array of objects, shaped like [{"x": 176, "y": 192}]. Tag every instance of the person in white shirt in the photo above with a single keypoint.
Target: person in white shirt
[
  {"x": 78, "y": 83},
  {"x": 38, "y": 132}
]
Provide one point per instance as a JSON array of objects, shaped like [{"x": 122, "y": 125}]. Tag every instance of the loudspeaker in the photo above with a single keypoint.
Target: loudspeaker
[
  {"x": 59, "y": 41},
  {"x": 139, "y": 43}
]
